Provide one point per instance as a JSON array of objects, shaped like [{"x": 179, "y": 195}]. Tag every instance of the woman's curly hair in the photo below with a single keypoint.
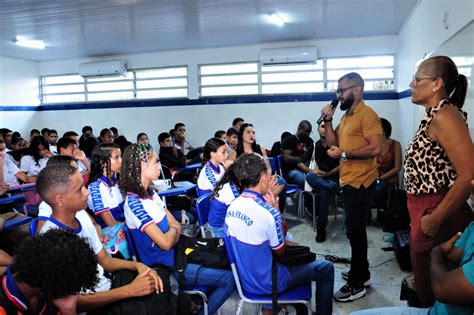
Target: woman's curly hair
[
  {"x": 58, "y": 262},
  {"x": 100, "y": 159},
  {"x": 131, "y": 173}
]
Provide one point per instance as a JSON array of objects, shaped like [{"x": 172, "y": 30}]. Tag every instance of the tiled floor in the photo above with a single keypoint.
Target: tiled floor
[{"x": 385, "y": 278}]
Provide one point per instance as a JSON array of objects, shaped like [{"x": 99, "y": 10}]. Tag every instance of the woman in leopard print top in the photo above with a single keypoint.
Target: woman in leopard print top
[{"x": 438, "y": 165}]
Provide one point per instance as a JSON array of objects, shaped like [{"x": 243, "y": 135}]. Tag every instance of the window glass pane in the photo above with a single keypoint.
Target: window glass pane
[
  {"x": 110, "y": 96},
  {"x": 364, "y": 73},
  {"x": 360, "y": 62},
  {"x": 73, "y": 78},
  {"x": 292, "y": 77},
  {"x": 368, "y": 85},
  {"x": 229, "y": 68},
  {"x": 317, "y": 66},
  {"x": 292, "y": 88},
  {"x": 229, "y": 79},
  {"x": 463, "y": 60},
  {"x": 110, "y": 86},
  {"x": 147, "y": 84},
  {"x": 52, "y": 89},
  {"x": 127, "y": 76},
  {"x": 161, "y": 73},
  {"x": 171, "y": 93},
  {"x": 63, "y": 98},
  {"x": 229, "y": 90}
]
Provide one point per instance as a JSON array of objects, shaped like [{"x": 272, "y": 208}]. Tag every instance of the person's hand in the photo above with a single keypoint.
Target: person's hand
[
  {"x": 334, "y": 152},
  {"x": 429, "y": 225},
  {"x": 79, "y": 155},
  {"x": 228, "y": 163},
  {"x": 329, "y": 111},
  {"x": 273, "y": 183},
  {"x": 67, "y": 304},
  {"x": 143, "y": 269},
  {"x": 48, "y": 154},
  {"x": 143, "y": 284},
  {"x": 270, "y": 199},
  {"x": 449, "y": 244},
  {"x": 320, "y": 173}
]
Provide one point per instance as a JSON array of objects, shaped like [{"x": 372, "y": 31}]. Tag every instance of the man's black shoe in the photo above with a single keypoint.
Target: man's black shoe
[{"x": 321, "y": 235}]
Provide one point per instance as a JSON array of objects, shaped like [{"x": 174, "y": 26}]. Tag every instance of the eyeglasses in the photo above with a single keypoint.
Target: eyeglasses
[
  {"x": 415, "y": 79},
  {"x": 342, "y": 90}
]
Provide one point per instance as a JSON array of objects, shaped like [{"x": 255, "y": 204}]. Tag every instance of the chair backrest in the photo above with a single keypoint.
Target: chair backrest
[
  {"x": 231, "y": 257},
  {"x": 203, "y": 206},
  {"x": 273, "y": 165},
  {"x": 33, "y": 227},
  {"x": 280, "y": 164}
]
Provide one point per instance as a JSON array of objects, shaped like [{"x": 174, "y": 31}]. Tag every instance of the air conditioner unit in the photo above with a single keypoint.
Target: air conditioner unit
[
  {"x": 103, "y": 68},
  {"x": 288, "y": 56}
]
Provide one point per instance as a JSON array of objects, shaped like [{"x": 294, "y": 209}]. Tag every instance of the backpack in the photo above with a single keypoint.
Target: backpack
[
  {"x": 207, "y": 252},
  {"x": 114, "y": 241},
  {"x": 396, "y": 217}
]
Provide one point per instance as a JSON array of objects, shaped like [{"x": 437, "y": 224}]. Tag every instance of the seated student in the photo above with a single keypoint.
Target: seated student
[
  {"x": 122, "y": 142},
  {"x": 61, "y": 186},
  {"x": 11, "y": 173},
  {"x": 45, "y": 210},
  {"x": 115, "y": 132},
  {"x": 453, "y": 287},
  {"x": 34, "y": 133},
  {"x": 87, "y": 132},
  {"x": 45, "y": 132},
  {"x": 215, "y": 154},
  {"x": 143, "y": 138},
  {"x": 155, "y": 231},
  {"x": 237, "y": 122},
  {"x": 73, "y": 135},
  {"x": 18, "y": 143},
  {"x": 179, "y": 140},
  {"x": 254, "y": 228},
  {"x": 19, "y": 149},
  {"x": 105, "y": 200},
  {"x": 53, "y": 139},
  {"x": 221, "y": 134},
  {"x": 324, "y": 179},
  {"x": 42, "y": 279},
  {"x": 38, "y": 155},
  {"x": 67, "y": 146},
  {"x": 170, "y": 156},
  {"x": 276, "y": 147},
  {"x": 7, "y": 137},
  {"x": 231, "y": 140},
  {"x": 227, "y": 189},
  {"x": 87, "y": 145},
  {"x": 293, "y": 149},
  {"x": 106, "y": 136}
]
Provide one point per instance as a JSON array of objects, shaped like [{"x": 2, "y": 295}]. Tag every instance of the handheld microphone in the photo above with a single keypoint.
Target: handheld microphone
[{"x": 334, "y": 104}]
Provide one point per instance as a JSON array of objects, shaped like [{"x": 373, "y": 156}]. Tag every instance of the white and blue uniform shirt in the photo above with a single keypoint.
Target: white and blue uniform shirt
[
  {"x": 220, "y": 203},
  {"x": 139, "y": 213},
  {"x": 9, "y": 173},
  {"x": 255, "y": 230},
  {"x": 105, "y": 196},
  {"x": 29, "y": 166},
  {"x": 208, "y": 177},
  {"x": 87, "y": 231}
]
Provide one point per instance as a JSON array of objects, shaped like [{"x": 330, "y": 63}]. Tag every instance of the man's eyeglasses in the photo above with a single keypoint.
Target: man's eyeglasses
[
  {"x": 415, "y": 79},
  {"x": 342, "y": 90}
]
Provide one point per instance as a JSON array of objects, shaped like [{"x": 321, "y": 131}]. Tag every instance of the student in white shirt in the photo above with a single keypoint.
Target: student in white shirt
[
  {"x": 38, "y": 156},
  {"x": 215, "y": 155},
  {"x": 11, "y": 172}
]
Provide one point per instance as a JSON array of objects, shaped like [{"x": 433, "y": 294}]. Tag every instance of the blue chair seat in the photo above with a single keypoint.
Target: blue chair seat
[
  {"x": 7, "y": 200},
  {"x": 301, "y": 292},
  {"x": 290, "y": 189},
  {"x": 15, "y": 222}
]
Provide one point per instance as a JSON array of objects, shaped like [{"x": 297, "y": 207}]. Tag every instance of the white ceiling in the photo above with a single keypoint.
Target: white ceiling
[{"x": 87, "y": 28}]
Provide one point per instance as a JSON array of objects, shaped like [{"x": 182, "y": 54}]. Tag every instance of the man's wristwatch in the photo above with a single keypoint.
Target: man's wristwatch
[{"x": 343, "y": 156}]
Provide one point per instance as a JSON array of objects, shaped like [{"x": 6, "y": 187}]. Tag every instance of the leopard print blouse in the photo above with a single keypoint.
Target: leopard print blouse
[{"x": 427, "y": 167}]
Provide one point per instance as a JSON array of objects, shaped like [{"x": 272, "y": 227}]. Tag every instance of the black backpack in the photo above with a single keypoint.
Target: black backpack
[
  {"x": 207, "y": 252},
  {"x": 396, "y": 217}
]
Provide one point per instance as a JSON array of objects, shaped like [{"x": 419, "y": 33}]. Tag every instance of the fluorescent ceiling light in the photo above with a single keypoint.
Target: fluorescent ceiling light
[
  {"x": 21, "y": 41},
  {"x": 275, "y": 18}
]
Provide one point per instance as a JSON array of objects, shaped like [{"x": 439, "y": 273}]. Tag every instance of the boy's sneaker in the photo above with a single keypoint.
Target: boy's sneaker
[
  {"x": 345, "y": 276},
  {"x": 348, "y": 293}
]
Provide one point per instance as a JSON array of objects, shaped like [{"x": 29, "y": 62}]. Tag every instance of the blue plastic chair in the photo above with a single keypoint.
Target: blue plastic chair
[
  {"x": 203, "y": 206},
  {"x": 300, "y": 294},
  {"x": 15, "y": 222},
  {"x": 11, "y": 199}
]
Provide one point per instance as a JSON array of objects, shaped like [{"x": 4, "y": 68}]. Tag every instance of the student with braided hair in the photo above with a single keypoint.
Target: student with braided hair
[
  {"x": 105, "y": 199},
  {"x": 156, "y": 232}
]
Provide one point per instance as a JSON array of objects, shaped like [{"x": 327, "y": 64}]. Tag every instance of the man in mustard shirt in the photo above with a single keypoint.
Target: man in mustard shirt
[{"x": 356, "y": 141}]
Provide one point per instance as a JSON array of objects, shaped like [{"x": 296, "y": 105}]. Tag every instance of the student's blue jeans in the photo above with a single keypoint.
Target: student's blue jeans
[
  {"x": 326, "y": 189},
  {"x": 296, "y": 177},
  {"x": 322, "y": 272},
  {"x": 216, "y": 232},
  {"x": 220, "y": 282}
]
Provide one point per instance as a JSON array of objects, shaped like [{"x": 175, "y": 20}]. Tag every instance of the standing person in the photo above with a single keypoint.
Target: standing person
[
  {"x": 357, "y": 142},
  {"x": 438, "y": 165}
]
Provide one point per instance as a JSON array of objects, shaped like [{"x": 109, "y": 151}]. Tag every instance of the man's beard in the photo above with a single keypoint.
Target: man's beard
[{"x": 347, "y": 102}]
